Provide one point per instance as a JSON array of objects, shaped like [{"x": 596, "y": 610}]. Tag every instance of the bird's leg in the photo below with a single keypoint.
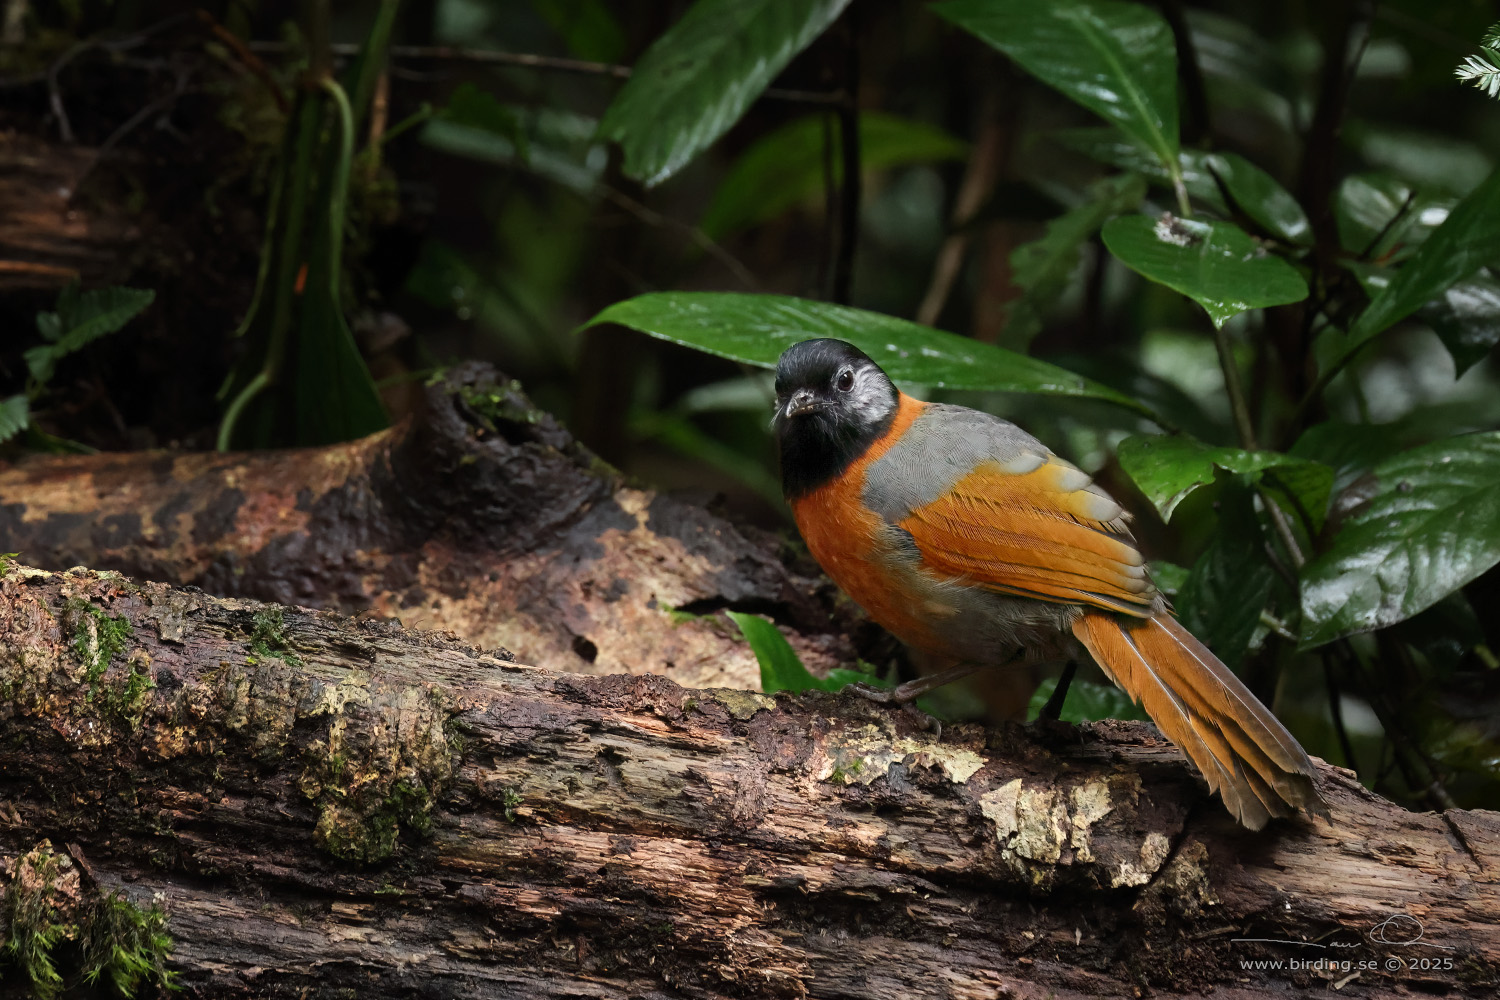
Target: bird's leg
[
  {"x": 1053, "y": 709},
  {"x": 906, "y": 695}
]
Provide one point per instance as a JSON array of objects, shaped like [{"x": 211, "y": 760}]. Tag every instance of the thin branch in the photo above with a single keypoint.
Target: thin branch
[
  {"x": 989, "y": 152},
  {"x": 1336, "y": 709},
  {"x": 531, "y": 60},
  {"x": 699, "y": 238},
  {"x": 1196, "y": 123},
  {"x": 1246, "y": 431},
  {"x": 849, "y": 192}
]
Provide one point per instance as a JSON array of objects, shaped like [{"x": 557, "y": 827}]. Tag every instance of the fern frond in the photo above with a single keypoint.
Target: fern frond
[
  {"x": 1481, "y": 72},
  {"x": 1491, "y": 39}
]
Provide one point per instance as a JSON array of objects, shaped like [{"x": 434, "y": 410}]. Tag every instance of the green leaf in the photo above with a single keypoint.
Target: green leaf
[
  {"x": 1116, "y": 59},
  {"x": 81, "y": 319},
  {"x": 1086, "y": 702},
  {"x": 786, "y": 166},
  {"x": 1466, "y": 318},
  {"x": 475, "y": 108},
  {"x": 1041, "y": 268},
  {"x": 587, "y": 27},
  {"x": 1168, "y": 468},
  {"x": 1258, "y": 194},
  {"x": 756, "y": 329},
  {"x": 699, "y": 77},
  {"x": 1226, "y": 590},
  {"x": 15, "y": 416},
  {"x": 1216, "y": 264},
  {"x": 1467, "y": 240},
  {"x": 1250, "y": 189},
  {"x": 1430, "y": 525},
  {"x": 781, "y": 668},
  {"x": 1379, "y": 214},
  {"x": 555, "y": 144},
  {"x": 1350, "y": 449}
]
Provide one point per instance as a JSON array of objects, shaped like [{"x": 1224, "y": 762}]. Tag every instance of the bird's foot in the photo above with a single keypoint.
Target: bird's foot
[{"x": 905, "y": 696}]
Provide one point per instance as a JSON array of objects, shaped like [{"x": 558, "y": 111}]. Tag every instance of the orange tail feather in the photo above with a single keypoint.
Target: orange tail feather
[{"x": 1246, "y": 755}]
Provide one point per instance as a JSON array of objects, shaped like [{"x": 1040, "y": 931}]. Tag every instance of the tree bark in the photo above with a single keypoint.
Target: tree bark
[
  {"x": 330, "y": 805},
  {"x": 481, "y": 516}
]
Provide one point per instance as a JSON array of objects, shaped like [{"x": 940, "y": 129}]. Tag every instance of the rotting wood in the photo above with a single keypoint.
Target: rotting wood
[
  {"x": 481, "y": 515},
  {"x": 331, "y": 805}
]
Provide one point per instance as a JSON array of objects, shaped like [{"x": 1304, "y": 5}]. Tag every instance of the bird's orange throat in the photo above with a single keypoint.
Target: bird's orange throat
[{"x": 842, "y": 533}]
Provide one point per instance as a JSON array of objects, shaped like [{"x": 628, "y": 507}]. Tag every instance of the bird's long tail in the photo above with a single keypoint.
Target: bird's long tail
[{"x": 1247, "y": 756}]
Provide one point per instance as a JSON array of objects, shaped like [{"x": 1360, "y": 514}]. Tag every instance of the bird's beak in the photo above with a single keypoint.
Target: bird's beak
[{"x": 802, "y": 401}]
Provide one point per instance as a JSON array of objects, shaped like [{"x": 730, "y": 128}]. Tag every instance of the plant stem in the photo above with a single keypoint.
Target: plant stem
[{"x": 1246, "y": 429}]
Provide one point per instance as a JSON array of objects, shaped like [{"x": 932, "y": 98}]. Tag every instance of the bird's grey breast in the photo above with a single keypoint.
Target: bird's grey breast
[{"x": 942, "y": 446}]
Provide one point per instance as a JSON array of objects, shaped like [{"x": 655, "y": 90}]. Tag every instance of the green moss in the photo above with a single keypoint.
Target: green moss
[
  {"x": 126, "y": 946},
  {"x": 368, "y": 836},
  {"x": 355, "y": 837},
  {"x": 52, "y": 929},
  {"x": 38, "y": 920},
  {"x": 510, "y": 800},
  {"x": 5, "y": 558},
  {"x": 126, "y": 703},
  {"x": 97, "y": 637},
  {"x": 268, "y": 639}
]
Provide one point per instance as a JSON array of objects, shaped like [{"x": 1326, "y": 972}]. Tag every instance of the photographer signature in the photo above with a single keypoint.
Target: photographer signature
[{"x": 1400, "y": 930}]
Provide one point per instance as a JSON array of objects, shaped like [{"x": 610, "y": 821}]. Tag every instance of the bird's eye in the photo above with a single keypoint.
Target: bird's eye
[{"x": 845, "y": 380}]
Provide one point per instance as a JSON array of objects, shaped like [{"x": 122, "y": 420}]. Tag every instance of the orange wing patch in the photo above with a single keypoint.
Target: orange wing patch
[{"x": 1042, "y": 534}]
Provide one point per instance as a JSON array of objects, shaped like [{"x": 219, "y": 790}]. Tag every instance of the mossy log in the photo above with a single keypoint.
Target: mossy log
[
  {"x": 480, "y": 515},
  {"x": 331, "y": 806}
]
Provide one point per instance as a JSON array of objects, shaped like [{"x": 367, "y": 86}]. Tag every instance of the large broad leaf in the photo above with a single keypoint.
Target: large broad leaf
[
  {"x": 1431, "y": 524},
  {"x": 755, "y": 329},
  {"x": 1168, "y": 468},
  {"x": 699, "y": 77},
  {"x": 1466, "y": 318},
  {"x": 1041, "y": 268},
  {"x": 1216, "y": 264},
  {"x": 1467, "y": 240},
  {"x": 786, "y": 166},
  {"x": 1225, "y": 592},
  {"x": 1116, "y": 59}
]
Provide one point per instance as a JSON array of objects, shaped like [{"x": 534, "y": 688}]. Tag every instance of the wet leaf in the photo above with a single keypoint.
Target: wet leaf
[
  {"x": 1466, "y": 318},
  {"x": 1430, "y": 524},
  {"x": 1168, "y": 468},
  {"x": 756, "y": 329},
  {"x": 1216, "y": 264},
  {"x": 1468, "y": 239},
  {"x": 701, "y": 75},
  {"x": 1116, "y": 59}
]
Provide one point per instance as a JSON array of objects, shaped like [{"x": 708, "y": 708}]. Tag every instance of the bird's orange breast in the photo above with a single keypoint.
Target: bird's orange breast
[{"x": 850, "y": 541}]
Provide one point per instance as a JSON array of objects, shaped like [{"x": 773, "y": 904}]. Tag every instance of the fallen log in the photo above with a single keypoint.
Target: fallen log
[
  {"x": 481, "y": 515},
  {"x": 325, "y": 805}
]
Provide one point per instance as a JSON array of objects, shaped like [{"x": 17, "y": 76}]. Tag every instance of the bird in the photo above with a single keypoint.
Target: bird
[{"x": 981, "y": 550}]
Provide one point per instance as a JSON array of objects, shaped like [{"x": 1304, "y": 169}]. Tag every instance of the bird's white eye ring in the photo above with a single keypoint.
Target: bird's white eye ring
[{"x": 845, "y": 380}]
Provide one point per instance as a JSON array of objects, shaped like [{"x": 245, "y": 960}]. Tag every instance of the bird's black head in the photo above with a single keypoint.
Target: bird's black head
[{"x": 832, "y": 402}]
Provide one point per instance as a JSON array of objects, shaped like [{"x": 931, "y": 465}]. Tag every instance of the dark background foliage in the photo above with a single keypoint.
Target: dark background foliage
[{"x": 1335, "y": 536}]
